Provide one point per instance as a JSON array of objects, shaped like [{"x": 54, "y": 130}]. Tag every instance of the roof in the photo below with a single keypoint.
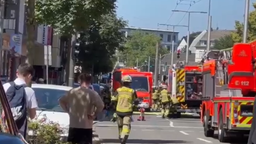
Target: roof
[
  {"x": 49, "y": 86},
  {"x": 216, "y": 34},
  {"x": 150, "y": 29}
]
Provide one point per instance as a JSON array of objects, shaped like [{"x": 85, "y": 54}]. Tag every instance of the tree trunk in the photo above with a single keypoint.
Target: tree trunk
[{"x": 31, "y": 27}]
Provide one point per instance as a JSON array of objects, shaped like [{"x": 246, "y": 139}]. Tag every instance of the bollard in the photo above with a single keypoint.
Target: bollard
[{"x": 142, "y": 112}]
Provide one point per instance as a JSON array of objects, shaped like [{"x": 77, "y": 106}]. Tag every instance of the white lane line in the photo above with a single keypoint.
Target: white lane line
[
  {"x": 171, "y": 124},
  {"x": 186, "y": 127},
  {"x": 204, "y": 140},
  {"x": 184, "y": 133}
]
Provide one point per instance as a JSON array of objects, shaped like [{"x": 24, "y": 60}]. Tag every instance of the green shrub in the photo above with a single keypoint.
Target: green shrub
[{"x": 41, "y": 132}]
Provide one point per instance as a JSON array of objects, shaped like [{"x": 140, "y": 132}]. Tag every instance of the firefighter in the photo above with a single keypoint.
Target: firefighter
[
  {"x": 126, "y": 98},
  {"x": 155, "y": 97},
  {"x": 165, "y": 100}
]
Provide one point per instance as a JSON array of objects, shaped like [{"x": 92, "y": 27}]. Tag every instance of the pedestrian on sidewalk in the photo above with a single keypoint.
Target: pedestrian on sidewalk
[
  {"x": 83, "y": 105},
  {"x": 21, "y": 98}
]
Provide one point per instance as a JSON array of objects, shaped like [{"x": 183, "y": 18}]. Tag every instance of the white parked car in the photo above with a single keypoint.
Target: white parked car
[{"x": 48, "y": 104}]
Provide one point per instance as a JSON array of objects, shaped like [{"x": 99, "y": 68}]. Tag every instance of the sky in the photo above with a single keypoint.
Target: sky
[{"x": 148, "y": 13}]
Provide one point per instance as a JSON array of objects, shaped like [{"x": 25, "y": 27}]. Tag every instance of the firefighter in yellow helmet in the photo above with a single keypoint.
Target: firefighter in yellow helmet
[
  {"x": 165, "y": 100},
  {"x": 155, "y": 97},
  {"x": 126, "y": 97}
]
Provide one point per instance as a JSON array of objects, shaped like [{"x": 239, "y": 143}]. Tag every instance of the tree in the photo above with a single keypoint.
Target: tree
[
  {"x": 139, "y": 47},
  {"x": 100, "y": 42},
  {"x": 66, "y": 16},
  {"x": 237, "y": 36},
  {"x": 224, "y": 42},
  {"x": 30, "y": 24}
]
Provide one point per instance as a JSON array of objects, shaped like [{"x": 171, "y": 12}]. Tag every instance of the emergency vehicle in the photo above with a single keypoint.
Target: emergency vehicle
[
  {"x": 186, "y": 86},
  {"x": 142, "y": 83},
  {"x": 228, "y": 92}
]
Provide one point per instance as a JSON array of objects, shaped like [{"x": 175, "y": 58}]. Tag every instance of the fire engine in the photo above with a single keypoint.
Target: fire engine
[
  {"x": 228, "y": 92},
  {"x": 142, "y": 83},
  {"x": 186, "y": 86}
]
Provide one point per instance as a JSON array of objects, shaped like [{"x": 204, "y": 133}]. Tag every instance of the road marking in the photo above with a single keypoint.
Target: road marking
[
  {"x": 204, "y": 140},
  {"x": 184, "y": 133},
  {"x": 186, "y": 127},
  {"x": 171, "y": 124}
]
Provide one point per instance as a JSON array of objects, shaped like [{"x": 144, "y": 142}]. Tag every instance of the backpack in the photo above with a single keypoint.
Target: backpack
[{"x": 16, "y": 97}]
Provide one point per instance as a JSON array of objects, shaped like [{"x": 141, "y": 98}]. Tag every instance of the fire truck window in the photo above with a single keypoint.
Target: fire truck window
[
  {"x": 140, "y": 83},
  {"x": 246, "y": 110},
  {"x": 189, "y": 78},
  {"x": 117, "y": 76}
]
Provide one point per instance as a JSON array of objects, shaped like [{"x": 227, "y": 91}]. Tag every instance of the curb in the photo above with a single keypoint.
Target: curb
[{"x": 95, "y": 138}]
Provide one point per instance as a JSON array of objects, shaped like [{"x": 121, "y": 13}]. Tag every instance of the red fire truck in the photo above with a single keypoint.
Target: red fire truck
[
  {"x": 229, "y": 89},
  {"x": 142, "y": 82},
  {"x": 186, "y": 84}
]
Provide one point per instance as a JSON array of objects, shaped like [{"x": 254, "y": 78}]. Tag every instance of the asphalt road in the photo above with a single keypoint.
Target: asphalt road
[{"x": 156, "y": 130}]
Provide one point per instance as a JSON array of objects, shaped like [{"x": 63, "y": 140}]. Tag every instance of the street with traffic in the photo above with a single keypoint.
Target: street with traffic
[{"x": 155, "y": 130}]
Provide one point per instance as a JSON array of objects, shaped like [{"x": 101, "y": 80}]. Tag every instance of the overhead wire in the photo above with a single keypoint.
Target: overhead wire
[
  {"x": 177, "y": 3},
  {"x": 190, "y": 5},
  {"x": 183, "y": 16}
]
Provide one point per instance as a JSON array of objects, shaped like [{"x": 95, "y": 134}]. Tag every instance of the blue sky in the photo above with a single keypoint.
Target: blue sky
[{"x": 147, "y": 13}]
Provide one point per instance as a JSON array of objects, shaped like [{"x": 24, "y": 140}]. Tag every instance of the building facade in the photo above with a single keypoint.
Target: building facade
[{"x": 165, "y": 35}]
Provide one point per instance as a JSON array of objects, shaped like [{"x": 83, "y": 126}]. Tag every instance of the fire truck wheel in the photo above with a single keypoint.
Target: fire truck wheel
[
  {"x": 221, "y": 131},
  {"x": 208, "y": 132}
]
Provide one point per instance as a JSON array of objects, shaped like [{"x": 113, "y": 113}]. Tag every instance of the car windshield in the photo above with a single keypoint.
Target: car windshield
[
  {"x": 140, "y": 83},
  {"x": 48, "y": 99}
]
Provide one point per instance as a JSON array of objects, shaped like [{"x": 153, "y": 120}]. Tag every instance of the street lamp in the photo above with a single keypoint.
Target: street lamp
[
  {"x": 246, "y": 17},
  {"x": 189, "y": 12}
]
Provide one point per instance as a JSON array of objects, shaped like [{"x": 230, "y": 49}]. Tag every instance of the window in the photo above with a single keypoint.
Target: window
[
  {"x": 174, "y": 38},
  {"x": 48, "y": 99},
  {"x": 140, "y": 83},
  {"x": 203, "y": 42},
  {"x": 117, "y": 76},
  {"x": 169, "y": 38},
  {"x": 161, "y": 36}
]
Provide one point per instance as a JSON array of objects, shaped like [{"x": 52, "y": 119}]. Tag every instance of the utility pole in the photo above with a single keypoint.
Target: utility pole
[
  {"x": 156, "y": 65},
  {"x": 160, "y": 64},
  {"x": 149, "y": 64},
  {"x": 246, "y": 18},
  {"x": 137, "y": 62},
  {"x": 188, "y": 36},
  {"x": 209, "y": 27},
  {"x": 172, "y": 38},
  {"x": 2, "y": 13}
]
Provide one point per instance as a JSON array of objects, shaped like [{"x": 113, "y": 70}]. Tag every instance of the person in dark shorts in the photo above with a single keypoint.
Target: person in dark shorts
[{"x": 83, "y": 105}]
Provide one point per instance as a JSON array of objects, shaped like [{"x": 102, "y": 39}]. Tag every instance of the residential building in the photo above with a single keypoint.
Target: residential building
[
  {"x": 165, "y": 35},
  {"x": 199, "y": 45}
]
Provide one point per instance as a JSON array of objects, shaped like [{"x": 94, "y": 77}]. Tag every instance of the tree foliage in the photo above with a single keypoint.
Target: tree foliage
[
  {"x": 140, "y": 46},
  {"x": 44, "y": 131},
  {"x": 224, "y": 42},
  {"x": 237, "y": 36},
  {"x": 99, "y": 43},
  {"x": 70, "y": 16}
]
